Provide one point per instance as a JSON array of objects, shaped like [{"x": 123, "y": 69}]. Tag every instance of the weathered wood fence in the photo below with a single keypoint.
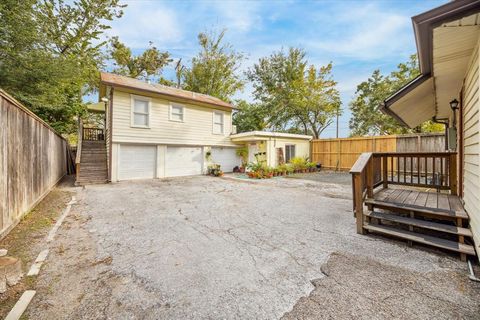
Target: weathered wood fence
[
  {"x": 33, "y": 158},
  {"x": 341, "y": 154}
]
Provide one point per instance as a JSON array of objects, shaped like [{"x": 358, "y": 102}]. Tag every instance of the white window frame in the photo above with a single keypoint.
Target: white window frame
[
  {"x": 132, "y": 111},
  {"x": 223, "y": 122},
  {"x": 171, "y": 109},
  {"x": 290, "y": 156}
]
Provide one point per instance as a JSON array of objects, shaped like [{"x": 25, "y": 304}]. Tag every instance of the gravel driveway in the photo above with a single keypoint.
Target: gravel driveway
[{"x": 212, "y": 248}]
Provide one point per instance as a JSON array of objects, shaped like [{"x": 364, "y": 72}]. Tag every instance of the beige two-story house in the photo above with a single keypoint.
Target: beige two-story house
[{"x": 155, "y": 131}]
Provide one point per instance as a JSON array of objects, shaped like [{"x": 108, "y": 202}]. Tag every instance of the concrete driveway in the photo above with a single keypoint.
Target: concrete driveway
[{"x": 213, "y": 248}]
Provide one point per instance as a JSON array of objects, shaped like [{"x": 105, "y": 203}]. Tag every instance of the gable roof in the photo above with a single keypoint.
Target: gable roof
[
  {"x": 115, "y": 80},
  {"x": 417, "y": 101}
]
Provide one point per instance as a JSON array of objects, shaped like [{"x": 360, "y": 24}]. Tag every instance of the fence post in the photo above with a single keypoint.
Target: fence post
[
  {"x": 453, "y": 173},
  {"x": 357, "y": 183},
  {"x": 385, "y": 171}
]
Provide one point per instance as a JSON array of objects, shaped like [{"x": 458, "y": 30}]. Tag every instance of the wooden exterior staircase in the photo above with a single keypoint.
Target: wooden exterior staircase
[
  {"x": 411, "y": 196},
  {"x": 91, "y": 162}
]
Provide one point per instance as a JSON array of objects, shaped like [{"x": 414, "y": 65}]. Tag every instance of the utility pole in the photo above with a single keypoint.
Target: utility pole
[{"x": 337, "y": 120}]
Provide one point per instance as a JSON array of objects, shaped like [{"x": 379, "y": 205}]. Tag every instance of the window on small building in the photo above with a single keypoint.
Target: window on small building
[
  {"x": 218, "y": 120},
  {"x": 177, "y": 112},
  {"x": 140, "y": 112},
  {"x": 289, "y": 152}
]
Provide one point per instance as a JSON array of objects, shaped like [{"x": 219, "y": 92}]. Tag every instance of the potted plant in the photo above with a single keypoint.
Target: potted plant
[{"x": 243, "y": 154}]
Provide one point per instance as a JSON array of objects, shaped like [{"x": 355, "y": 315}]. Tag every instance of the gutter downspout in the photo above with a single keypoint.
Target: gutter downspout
[{"x": 446, "y": 123}]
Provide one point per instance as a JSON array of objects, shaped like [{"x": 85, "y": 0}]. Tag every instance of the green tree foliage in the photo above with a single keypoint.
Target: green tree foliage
[
  {"x": 249, "y": 117},
  {"x": 150, "y": 63},
  {"x": 295, "y": 97},
  {"x": 367, "y": 119},
  {"x": 214, "y": 71},
  {"x": 50, "y": 53}
]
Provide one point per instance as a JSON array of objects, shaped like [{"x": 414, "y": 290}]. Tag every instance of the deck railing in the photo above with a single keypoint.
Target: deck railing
[
  {"x": 436, "y": 170},
  {"x": 93, "y": 134}
]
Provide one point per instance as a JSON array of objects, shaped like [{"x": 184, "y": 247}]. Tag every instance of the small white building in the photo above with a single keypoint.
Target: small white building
[{"x": 274, "y": 147}]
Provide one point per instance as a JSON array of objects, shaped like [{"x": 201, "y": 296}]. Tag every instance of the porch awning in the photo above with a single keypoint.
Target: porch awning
[{"x": 414, "y": 103}]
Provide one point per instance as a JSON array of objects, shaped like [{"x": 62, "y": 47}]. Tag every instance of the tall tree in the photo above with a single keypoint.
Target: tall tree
[
  {"x": 150, "y": 63},
  {"x": 215, "y": 69},
  {"x": 50, "y": 53},
  {"x": 367, "y": 119},
  {"x": 296, "y": 97},
  {"x": 249, "y": 117}
]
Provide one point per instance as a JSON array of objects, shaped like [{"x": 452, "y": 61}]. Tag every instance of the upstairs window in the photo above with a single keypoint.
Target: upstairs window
[
  {"x": 218, "y": 121},
  {"x": 177, "y": 112},
  {"x": 289, "y": 152},
  {"x": 140, "y": 112}
]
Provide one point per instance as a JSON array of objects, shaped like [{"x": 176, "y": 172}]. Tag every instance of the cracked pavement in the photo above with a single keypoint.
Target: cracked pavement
[{"x": 210, "y": 248}]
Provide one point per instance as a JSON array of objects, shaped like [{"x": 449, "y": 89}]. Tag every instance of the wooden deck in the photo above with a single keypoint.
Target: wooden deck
[{"x": 439, "y": 202}]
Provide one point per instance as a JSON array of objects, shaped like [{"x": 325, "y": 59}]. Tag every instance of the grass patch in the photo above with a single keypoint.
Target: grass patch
[{"x": 25, "y": 241}]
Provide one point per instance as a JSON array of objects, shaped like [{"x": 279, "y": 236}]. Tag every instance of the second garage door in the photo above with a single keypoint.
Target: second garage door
[
  {"x": 183, "y": 161},
  {"x": 226, "y": 158}
]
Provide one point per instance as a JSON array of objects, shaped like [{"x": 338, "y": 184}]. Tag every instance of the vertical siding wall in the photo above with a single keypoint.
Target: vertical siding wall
[
  {"x": 471, "y": 143},
  {"x": 342, "y": 153},
  {"x": 32, "y": 160}
]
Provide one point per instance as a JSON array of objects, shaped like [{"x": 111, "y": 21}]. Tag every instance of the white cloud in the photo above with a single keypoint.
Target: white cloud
[
  {"x": 367, "y": 32},
  {"x": 146, "y": 21},
  {"x": 238, "y": 16}
]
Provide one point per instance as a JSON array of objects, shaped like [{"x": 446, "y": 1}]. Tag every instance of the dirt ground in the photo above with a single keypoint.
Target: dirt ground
[
  {"x": 25, "y": 241},
  {"x": 208, "y": 248}
]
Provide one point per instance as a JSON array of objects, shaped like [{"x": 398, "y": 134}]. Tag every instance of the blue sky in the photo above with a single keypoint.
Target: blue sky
[{"x": 357, "y": 36}]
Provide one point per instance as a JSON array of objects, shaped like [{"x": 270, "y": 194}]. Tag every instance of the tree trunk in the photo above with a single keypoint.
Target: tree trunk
[{"x": 10, "y": 272}]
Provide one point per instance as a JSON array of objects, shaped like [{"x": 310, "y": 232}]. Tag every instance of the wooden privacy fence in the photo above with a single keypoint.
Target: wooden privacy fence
[
  {"x": 33, "y": 158},
  {"x": 341, "y": 153}
]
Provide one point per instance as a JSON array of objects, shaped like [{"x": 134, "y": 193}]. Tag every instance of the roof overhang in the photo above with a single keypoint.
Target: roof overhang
[{"x": 445, "y": 39}]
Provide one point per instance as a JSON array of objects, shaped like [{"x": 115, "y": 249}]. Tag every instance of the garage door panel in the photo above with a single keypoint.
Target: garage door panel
[
  {"x": 137, "y": 162},
  {"x": 183, "y": 161},
  {"x": 226, "y": 158}
]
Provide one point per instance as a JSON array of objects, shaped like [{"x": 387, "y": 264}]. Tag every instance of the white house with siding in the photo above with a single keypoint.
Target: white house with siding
[{"x": 155, "y": 131}]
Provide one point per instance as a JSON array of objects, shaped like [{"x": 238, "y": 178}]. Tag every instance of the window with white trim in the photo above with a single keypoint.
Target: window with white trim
[
  {"x": 218, "y": 122},
  {"x": 289, "y": 152},
  {"x": 177, "y": 112},
  {"x": 140, "y": 112}
]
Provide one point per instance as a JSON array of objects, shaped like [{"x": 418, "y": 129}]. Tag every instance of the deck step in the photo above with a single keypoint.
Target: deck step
[
  {"x": 421, "y": 238},
  {"x": 420, "y": 223},
  {"x": 420, "y": 209}
]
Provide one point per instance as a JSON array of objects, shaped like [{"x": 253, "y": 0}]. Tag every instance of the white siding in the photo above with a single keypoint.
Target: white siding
[
  {"x": 471, "y": 140},
  {"x": 196, "y": 129},
  {"x": 302, "y": 149}
]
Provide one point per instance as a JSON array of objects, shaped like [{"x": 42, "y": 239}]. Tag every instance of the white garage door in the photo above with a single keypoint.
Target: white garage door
[
  {"x": 137, "y": 162},
  {"x": 183, "y": 161},
  {"x": 226, "y": 158}
]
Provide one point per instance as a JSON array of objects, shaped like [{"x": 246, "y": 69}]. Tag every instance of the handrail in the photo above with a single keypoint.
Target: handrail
[
  {"x": 79, "y": 147},
  {"x": 79, "y": 141},
  {"x": 420, "y": 169}
]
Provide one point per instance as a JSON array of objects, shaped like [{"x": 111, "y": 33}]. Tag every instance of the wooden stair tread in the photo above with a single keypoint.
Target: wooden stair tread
[
  {"x": 420, "y": 223},
  {"x": 421, "y": 238},
  {"x": 433, "y": 211}
]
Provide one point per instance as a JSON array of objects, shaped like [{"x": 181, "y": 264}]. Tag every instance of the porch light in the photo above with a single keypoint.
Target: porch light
[{"x": 454, "y": 105}]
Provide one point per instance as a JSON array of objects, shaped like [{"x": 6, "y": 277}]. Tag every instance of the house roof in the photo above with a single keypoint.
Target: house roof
[
  {"x": 445, "y": 37},
  {"x": 263, "y": 135},
  {"x": 115, "y": 80}
]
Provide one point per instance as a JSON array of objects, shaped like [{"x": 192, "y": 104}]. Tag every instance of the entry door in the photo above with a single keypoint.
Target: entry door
[
  {"x": 137, "y": 162},
  {"x": 183, "y": 161}
]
